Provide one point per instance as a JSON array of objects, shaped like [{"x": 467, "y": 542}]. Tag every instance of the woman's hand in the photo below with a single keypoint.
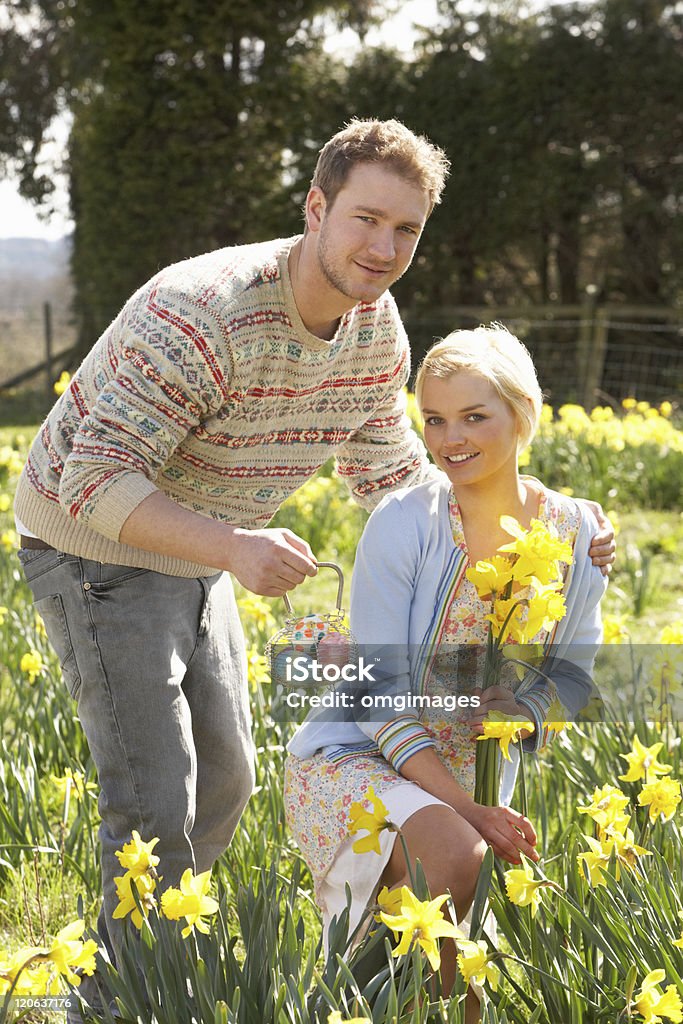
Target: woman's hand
[
  {"x": 506, "y": 830},
  {"x": 497, "y": 698}
]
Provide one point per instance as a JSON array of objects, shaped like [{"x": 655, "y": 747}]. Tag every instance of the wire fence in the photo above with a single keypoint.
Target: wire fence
[
  {"x": 605, "y": 356},
  {"x": 583, "y": 354}
]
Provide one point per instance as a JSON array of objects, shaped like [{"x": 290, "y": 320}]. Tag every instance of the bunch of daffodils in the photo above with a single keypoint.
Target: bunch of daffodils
[
  {"x": 523, "y": 583},
  {"x": 615, "y": 837},
  {"x": 137, "y": 889}
]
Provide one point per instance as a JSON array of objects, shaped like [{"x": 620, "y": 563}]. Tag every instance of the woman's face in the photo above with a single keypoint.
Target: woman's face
[{"x": 471, "y": 432}]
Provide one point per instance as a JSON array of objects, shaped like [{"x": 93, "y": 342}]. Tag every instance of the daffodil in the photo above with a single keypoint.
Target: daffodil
[
  {"x": 28, "y": 972},
  {"x": 523, "y": 888},
  {"x": 661, "y": 797},
  {"x": 72, "y": 783},
  {"x": 505, "y": 729},
  {"x": 190, "y": 901},
  {"x": 374, "y": 822},
  {"x": 678, "y": 942},
  {"x": 336, "y": 1018},
  {"x": 144, "y": 886},
  {"x": 614, "y": 630},
  {"x": 474, "y": 963},
  {"x": 68, "y": 953},
  {"x": 421, "y": 923},
  {"x": 538, "y": 550},
  {"x": 9, "y": 540},
  {"x": 545, "y": 607},
  {"x": 594, "y": 860},
  {"x": 491, "y": 576},
  {"x": 607, "y": 807},
  {"x": 60, "y": 386},
  {"x": 625, "y": 847},
  {"x": 558, "y": 717},
  {"x": 654, "y": 1004},
  {"x": 643, "y": 763},
  {"x": 672, "y": 634},
  {"x": 389, "y": 900},
  {"x": 32, "y": 665},
  {"x": 136, "y": 856}
]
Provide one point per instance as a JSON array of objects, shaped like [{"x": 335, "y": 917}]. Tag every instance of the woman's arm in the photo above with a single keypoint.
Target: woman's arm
[{"x": 506, "y": 830}]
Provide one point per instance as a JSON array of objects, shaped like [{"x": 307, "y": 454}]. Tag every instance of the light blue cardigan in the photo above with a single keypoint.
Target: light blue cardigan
[{"x": 404, "y": 560}]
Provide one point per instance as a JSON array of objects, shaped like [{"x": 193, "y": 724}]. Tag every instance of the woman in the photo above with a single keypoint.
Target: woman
[{"x": 480, "y": 401}]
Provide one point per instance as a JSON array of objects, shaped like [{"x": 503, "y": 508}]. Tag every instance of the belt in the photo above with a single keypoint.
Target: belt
[{"x": 35, "y": 543}]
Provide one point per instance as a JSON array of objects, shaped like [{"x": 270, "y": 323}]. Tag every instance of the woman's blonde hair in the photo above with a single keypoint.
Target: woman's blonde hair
[{"x": 499, "y": 357}]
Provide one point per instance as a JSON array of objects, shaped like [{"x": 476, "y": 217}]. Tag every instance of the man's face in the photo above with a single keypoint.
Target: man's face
[{"x": 367, "y": 238}]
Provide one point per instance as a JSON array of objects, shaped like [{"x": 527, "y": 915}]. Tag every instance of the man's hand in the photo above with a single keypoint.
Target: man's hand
[
  {"x": 270, "y": 562},
  {"x": 603, "y": 546}
]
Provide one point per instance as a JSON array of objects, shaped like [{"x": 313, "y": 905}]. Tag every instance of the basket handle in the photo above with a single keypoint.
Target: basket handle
[{"x": 340, "y": 591}]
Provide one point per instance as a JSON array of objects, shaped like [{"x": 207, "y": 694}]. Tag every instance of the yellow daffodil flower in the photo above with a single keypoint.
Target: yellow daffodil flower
[
  {"x": 9, "y": 540},
  {"x": 507, "y": 619},
  {"x": 492, "y": 576},
  {"x": 538, "y": 550},
  {"x": 672, "y": 634},
  {"x": 68, "y": 952},
  {"x": 190, "y": 901},
  {"x": 643, "y": 763},
  {"x": 421, "y": 923},
  {"x": 545, "y": 607},
  {"x": 523, "y": 888},
  {"x": 607, "y": 806},
  {"x": 137, "y": 857},
  {"x": 505, "y": 729},
  {"x": 595, "y": 860},
  {"x": 474, "y": 963},
  {"x": 389, "y": 900},
  {"x": 654, "y": 1004},
  {"x": 661, "y": 797},
  {"x": 28, "y": 972},
  {"x": 144, "y": 886},
  {"x": 625, "y": 847},
  {"x": 374, "y": 822},
  {"x": 72, "y": 782},
  {"x": 613, "y": 629},
  {"x": 678, "y": 942},
  {"x": 557, "y": 717},
  {"x": 32, "y": 665},
  {"x": 336, "y": 1018},
  {"x": 60, "y": 386}
]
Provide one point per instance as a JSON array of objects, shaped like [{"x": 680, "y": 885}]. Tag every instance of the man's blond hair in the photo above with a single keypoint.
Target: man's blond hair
[{"x": 390, "y": 143}]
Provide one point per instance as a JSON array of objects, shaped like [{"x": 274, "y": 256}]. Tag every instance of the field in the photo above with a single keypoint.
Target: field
[{"x": 591, "y": 934}]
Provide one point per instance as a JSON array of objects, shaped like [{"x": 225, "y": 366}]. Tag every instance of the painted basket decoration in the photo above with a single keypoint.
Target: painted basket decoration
[{"x": 319, "y": 637}]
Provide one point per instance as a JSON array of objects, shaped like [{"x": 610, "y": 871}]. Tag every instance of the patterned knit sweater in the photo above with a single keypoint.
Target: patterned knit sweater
[{"x": 208, "y": 387}]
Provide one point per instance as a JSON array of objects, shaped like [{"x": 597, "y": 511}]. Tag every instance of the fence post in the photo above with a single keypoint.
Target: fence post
[
  {"x": 595, "y": 365},
  {"x": 585, "y": 339},
  {"x": 49, "y": 374}
]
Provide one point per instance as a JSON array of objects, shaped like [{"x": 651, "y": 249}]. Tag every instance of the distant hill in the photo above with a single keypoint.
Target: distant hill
[{"x": 24, "y": 260}]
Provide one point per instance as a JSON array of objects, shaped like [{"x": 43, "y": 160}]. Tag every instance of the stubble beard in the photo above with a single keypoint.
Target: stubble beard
[{"x": 337, "y": 279}]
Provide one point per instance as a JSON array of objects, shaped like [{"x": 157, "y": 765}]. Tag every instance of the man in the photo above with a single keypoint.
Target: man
[{"x": 221, "y": 387}]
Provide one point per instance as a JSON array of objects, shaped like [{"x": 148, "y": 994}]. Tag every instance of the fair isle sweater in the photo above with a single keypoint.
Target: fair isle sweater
[{"x": 208, "y": 387}]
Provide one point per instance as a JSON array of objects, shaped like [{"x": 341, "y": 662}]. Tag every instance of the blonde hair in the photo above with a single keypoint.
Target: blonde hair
[
  {"x": 499, "y": 357},
  {"x": 412, "y": 157}
]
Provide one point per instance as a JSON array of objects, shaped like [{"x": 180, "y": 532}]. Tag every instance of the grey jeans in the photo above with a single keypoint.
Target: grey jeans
[{"x": 157, "y": 666}]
